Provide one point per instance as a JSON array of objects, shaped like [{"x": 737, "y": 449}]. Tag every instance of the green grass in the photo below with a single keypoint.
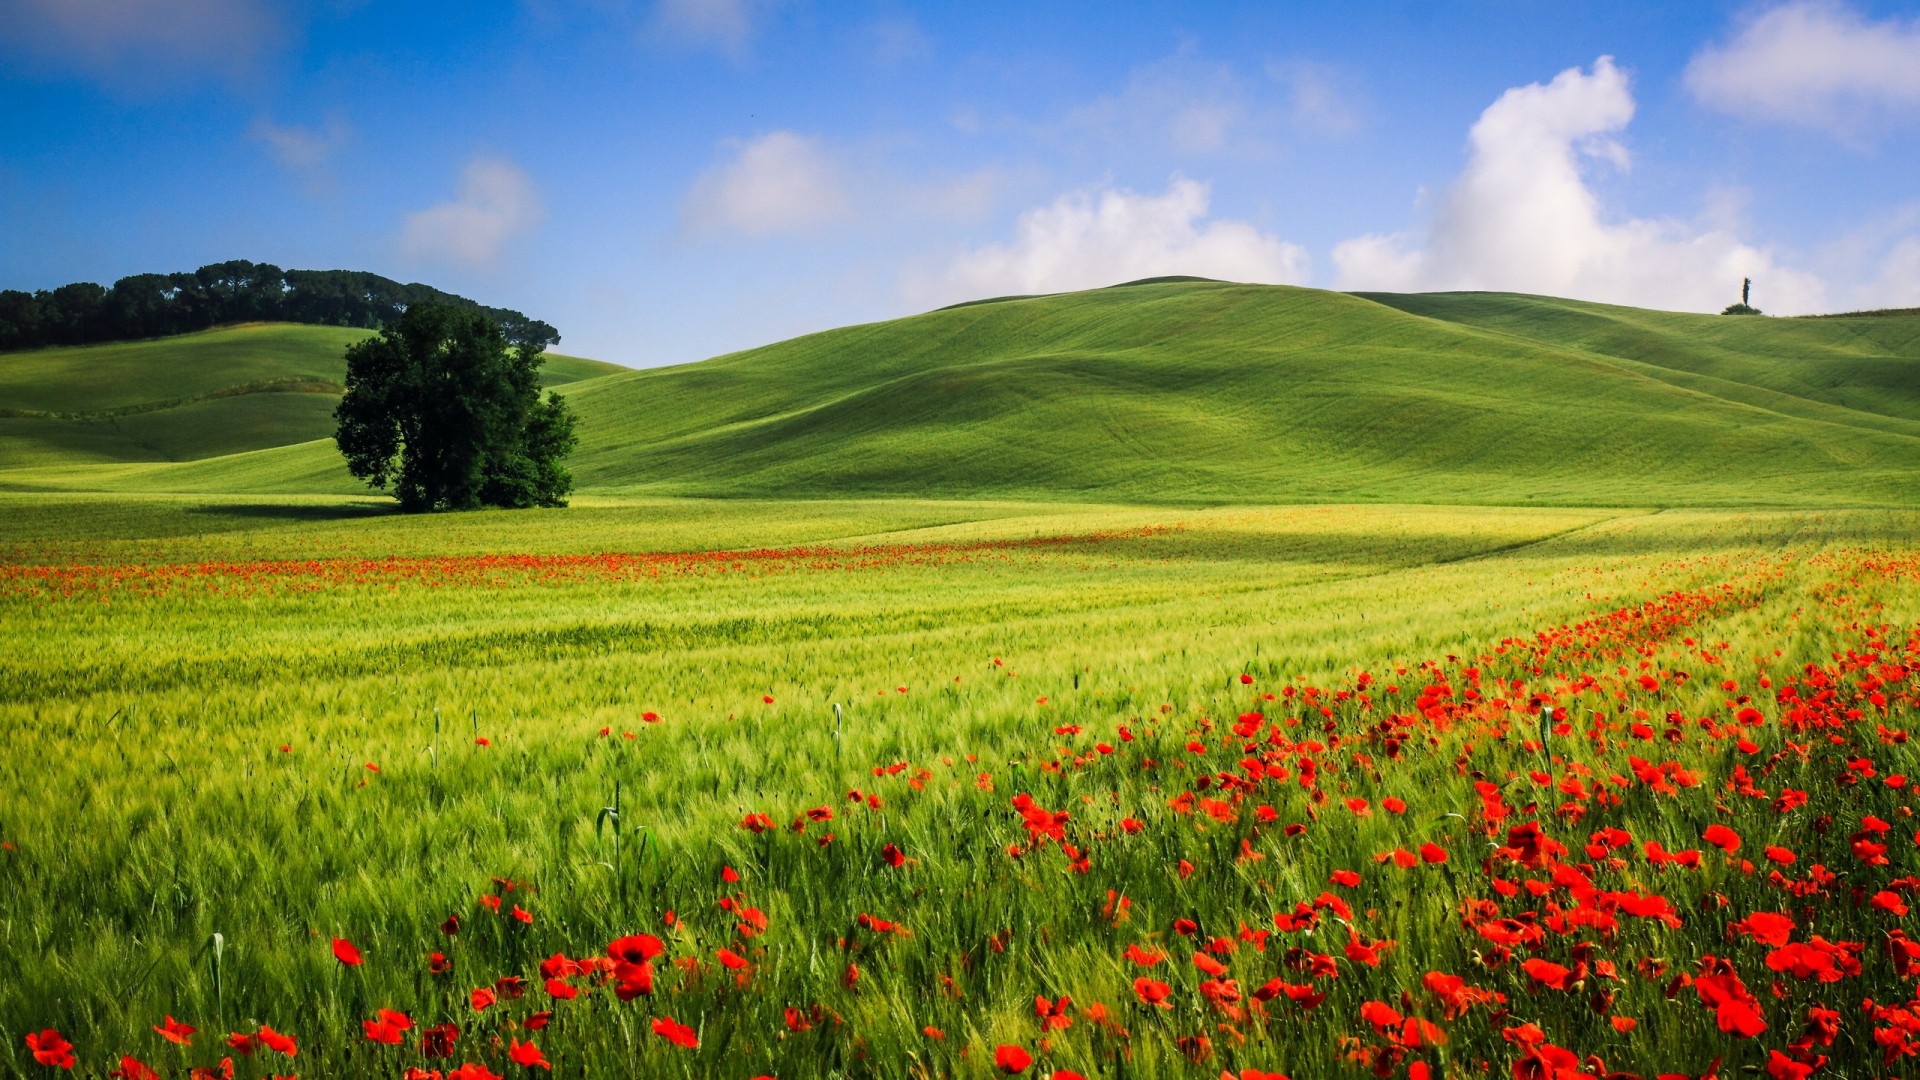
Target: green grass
[
  {"x": 149, "y": 808},
  {"x": 1193, "y": 392},
  {"x": 994, "y": 537},
  {"x": 224, "y": 391},
  {"x": 1209, "y": 391}
]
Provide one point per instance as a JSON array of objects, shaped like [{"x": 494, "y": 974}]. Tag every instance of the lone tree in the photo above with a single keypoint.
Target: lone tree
[
  {"x": 440, "y": 407},
  {"x": 1743, "y": 307}
]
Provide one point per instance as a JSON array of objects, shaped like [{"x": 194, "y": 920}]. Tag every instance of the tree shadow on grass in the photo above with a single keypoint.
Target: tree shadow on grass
[{"x": 298, "y": 511}]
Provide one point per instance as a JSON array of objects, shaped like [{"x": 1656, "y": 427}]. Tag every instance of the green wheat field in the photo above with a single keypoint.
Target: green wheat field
[{"x": 1176, "y": 680}]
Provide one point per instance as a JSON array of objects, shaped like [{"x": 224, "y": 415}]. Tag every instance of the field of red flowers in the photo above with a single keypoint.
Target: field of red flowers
[
  {"x": 1671, "y": 838},
  {"x": 272, "y": 577}
]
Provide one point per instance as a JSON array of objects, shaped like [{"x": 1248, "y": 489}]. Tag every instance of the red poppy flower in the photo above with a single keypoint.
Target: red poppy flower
[
  {"x": 437, "y": 1041},
  {"x": 1152, "y": 993},
  {"x": 1548, "y": 974},
  {"x": 50, "y": 1049},
  {"x": 1380, "y": 1015},
  {"x": 527, "y": 1055},
  {"x": 273, "y": 1040},
  {"x": 132, "y": 1068},
  {"x": 676, "y": 1033},
  {"x": 1722, "y": 837},
  {"x": 482, "y": 998},
  {"x": 1766, "y": 927},
  {"x": 344, "y": 951},
  {"x": 1011, "y": 1059},
  {"x": 176, "y": 1032},
  {"x": 388, "y": 1027}
]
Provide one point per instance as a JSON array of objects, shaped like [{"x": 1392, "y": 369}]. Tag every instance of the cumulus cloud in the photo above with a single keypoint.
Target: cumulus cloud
[
  {"x": 495, "y": 203},
  {"x": 136, "y": 41},
  {"x": 302, "y": 149},
  {"x": 1898, "y": 281},
  {"x": 1816, "y": 64},
  {"x": 1094, "y": 237},
  {"x": 1522, "y": 217},
  {"x": 1877, "y": 263},
  {"x": 780, "y": 182},
  {"x": 728, "y": 26}
]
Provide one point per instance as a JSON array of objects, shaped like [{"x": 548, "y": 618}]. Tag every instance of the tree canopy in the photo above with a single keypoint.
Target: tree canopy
[
  {"x": 155, "y": 305},
  {"x": 441, "y": 408}
]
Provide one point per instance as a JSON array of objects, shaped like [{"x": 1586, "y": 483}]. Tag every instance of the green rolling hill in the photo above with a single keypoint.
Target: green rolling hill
[
  {"x": 1199, "y": 391},
  {"x": 202, "y": 395}
]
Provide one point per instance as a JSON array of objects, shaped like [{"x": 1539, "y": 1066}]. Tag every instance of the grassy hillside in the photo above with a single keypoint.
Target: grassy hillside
[
  {"x": 222, "y": 391},
  {"x": 1198, "y": 390},
  {"x": 1864, "y": 366},
  {"x": 1195, "y": 391}
]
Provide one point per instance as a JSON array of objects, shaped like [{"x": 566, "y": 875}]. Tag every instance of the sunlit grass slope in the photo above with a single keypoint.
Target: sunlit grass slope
[
  {"x": 1199, "y": 391},
  {"x": 1213, "y": 391},
  {"x": 223, "y": 391},
  {"x": 1860, "y": 371}
]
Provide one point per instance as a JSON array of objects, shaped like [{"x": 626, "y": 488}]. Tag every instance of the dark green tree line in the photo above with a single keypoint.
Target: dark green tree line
[{"x": 155, "y": 305}]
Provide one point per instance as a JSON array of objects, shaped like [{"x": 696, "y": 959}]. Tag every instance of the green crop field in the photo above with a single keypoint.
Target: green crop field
[{"x": 1162, "y": 681}]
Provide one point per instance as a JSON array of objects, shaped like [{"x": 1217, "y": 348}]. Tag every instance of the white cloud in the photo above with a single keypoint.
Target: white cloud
[
  {"x": 136, "y": 41},
  {"x": 1898, "y": 281},
  {"x": 1095, "y": 237},
  {"x": 302, "y": 149},
  {"x": 1318, "y": 98},
  {"x": 1521, "y": 217},
  {"x": 496, "y": 202},
  {"x": 780, "y": 182},
  {"x": 1813, "y": 63},
  {"x": 1192, "y": 105},
  {"x": 1877, "y": 263},
  {"x": 728, "y": 26}
]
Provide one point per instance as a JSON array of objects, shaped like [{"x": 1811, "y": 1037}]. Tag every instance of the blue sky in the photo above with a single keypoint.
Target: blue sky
[{"x": 668, "y": 180}]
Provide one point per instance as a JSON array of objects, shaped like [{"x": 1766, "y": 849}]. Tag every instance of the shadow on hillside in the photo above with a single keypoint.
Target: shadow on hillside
[{"x": 298, "y": 511}]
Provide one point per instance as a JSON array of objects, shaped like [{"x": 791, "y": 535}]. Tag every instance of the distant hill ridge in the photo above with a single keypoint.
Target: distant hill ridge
[
  {"x": 237, "y": 291},
  {"x": 1160, "y": 392}
]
